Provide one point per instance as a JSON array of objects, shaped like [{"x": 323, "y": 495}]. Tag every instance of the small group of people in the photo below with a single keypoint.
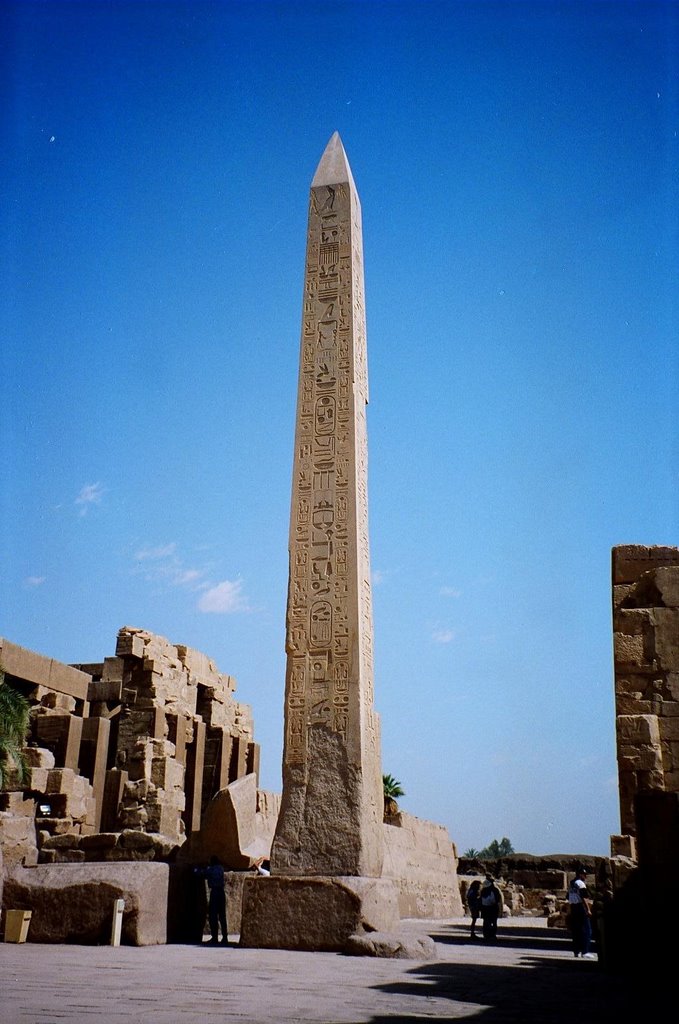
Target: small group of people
[{"x": 484, "y": 900}]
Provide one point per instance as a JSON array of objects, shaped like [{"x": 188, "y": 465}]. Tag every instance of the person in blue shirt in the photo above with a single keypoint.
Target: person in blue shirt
[{"x": 214, "y": 874}]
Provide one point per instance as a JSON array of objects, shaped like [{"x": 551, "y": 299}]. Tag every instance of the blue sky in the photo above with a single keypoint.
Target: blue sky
[{"x": 518, "y": 167}]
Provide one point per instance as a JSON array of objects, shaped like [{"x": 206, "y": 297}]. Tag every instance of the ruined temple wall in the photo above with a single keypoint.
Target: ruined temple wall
[
  {"x": 646, "y": 663},
  {"x": 136, "y": 744},
  {"x": 420, "y": 858}
]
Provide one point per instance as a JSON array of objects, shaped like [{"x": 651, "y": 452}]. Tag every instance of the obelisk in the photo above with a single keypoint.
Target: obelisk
[
  {"x": 331, "y": 815},
  {"x": 327, "y": 853}
]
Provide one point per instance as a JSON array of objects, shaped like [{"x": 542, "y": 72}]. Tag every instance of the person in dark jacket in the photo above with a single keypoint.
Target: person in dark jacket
[
  {"x": 474, "y": 904},
  {"x": 214, "y": 874}
]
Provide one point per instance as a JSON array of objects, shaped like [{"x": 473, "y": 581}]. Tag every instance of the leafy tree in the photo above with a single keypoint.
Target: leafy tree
[
  {"x": 391, "y": 789},
  {"x": 14, "y": 715},
  {"x": 471, "y": 853},
  {"x": 496, "y": 849}
]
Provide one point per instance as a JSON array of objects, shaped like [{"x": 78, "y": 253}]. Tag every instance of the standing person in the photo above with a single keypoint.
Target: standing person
[
  {"x": 491, "y": 906},
  {"x": 580, "y": 915},
  {"x": 214, "y": 873},
  {"x": 474, "y": 904}
]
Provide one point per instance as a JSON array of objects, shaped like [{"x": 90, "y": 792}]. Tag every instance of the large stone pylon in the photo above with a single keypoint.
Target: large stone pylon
[{"x": 328, "y": 849}]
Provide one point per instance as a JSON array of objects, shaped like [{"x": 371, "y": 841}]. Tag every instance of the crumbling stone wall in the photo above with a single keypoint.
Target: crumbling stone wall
[
  {"x": 121, "y": 751},
  {"x": 646, "y": 660}
]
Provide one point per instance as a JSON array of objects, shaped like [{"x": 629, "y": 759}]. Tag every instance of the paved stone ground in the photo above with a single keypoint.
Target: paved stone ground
[{"x": 529, "y": 977}]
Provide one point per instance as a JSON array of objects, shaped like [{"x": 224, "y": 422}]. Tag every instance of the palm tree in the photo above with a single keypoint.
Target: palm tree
[
  {"x": 14, "y": 715},
  {"x": 391, "y": 788}
]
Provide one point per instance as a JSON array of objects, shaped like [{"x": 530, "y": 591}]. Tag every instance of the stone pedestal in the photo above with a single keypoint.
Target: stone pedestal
[{"x": 319, "y": 912}]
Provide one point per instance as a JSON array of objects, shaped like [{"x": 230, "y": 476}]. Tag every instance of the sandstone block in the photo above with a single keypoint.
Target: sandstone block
[
  {"x": 105, "y": 689},
  {"x": 132, "y": 839},
  {"x": 629, "y": 650},
  {"x": 67, "y": 842},
  {"x": 669, "y": 729},
  {"x": 99, "y": 841},
  {"x": 58, "y": 702},
  {"x": 74, "y": 903},
  {"x": 315, "y": 913},
  {"x": 667, "y": 582},
  {"x": 638, "y": 729},
  {"x": 38, "y": 757},
  {"x": 667, "y": 638},
  {"x": 631, "y": 560},
  {"x": 60, "y": 780},
  {"x": 394, "y": 945},
  {"x": 229, "y": 828},
  {"x": 623, "y": 846},
  {"x": 130, "y": 643},
  {"x": 17, "y": 839},
  {"x": 15, "y": 804}
]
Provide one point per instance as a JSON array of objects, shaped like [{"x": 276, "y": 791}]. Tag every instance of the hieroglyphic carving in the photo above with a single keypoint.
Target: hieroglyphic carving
[{"x": 329, "y": 608}]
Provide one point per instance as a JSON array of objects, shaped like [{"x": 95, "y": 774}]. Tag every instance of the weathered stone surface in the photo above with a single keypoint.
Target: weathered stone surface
[
  {"x": 74, "y": 902},
  {"x": 229, "y": 829},
  {"x": 646, "y": 656},
  {"x": 315, "y": 912},
  {"x": 630, "y": 561},
  {"x": 396, "y": 946},
  {"x": 419, "y": 857},
  {"x": 18, "y": 839},
  {"x": 38, "y": 757},
  {"x": 36, "y": 668},
  {"x": 331, "y": 811}
]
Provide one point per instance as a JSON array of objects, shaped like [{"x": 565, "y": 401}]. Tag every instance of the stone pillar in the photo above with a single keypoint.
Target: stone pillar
[
  {"x": 93, "y": 757},
  {"x": 61, "y": 734},
  {"x": 193, "y": 786},
  {"x": 328, "y": 849},
  {"x": 114, "y": 787}
]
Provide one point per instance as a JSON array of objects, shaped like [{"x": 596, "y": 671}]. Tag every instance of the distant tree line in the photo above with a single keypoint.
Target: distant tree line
[{"x": 497, "y": 848}]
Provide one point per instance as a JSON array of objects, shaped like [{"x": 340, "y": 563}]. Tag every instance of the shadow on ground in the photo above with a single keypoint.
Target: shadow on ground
[{"x": 539, "y": 989}]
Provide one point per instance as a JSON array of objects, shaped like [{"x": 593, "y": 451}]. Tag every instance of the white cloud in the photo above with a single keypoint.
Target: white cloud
[
  {"x": 443, "y": 636},
  {"x": 377, "y": 577},
  {"x": 34, "y": 581},
  {"x": 224, "y": 598},
  {"x": 450, "y": 592},
  {"x": 153, "y": 554},
  {"x": 90, "y": 494},
  {"x": 187, "y": 577}
]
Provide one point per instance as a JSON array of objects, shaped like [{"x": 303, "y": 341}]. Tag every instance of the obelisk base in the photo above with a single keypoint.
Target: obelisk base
[{"x": 316, "y": 912}]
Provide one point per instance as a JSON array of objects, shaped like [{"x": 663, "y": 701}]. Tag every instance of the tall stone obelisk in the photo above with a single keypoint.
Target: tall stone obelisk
[
  {"x": 328, "y": 848},
  {"x": 331, "y": 815}
]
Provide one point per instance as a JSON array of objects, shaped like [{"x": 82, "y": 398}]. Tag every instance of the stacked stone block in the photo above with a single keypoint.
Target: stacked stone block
[
  {"x": 178, "y": 724},
  {"x": 134, "y": 746},
  {"x": 646, "y": 657}
]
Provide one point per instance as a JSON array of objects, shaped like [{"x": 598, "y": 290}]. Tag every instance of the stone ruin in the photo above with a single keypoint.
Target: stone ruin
[
  {"x": 640, "y": 883},
  {"x": 140, "y": 767},
  {"x": 125, "y": 761}
]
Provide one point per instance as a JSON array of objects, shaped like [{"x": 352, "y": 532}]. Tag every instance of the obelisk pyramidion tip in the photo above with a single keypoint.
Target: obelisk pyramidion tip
[{"x": 334, "y": 166}]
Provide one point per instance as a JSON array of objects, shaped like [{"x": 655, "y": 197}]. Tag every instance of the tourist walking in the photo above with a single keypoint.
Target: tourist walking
[
  {"x": 214, "y": 874},
  {"x": 491, "y": 907},
  {"x": 474, "y": 904},
  {"x": 580, "y": 915}
]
